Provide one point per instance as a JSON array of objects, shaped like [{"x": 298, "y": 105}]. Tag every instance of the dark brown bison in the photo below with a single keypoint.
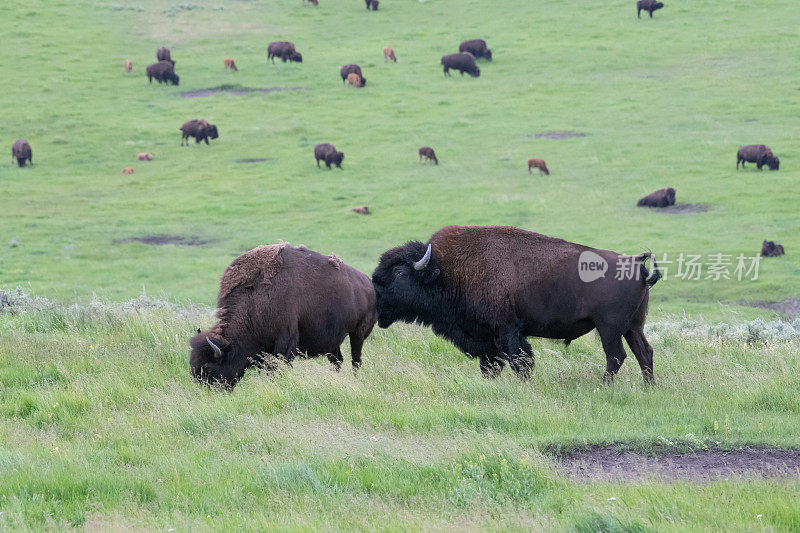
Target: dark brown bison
[
  {"x": 285, "y": 51},
  {"x": 771, "y": 249},
  {"x": 476, "y": 47},
  {"x": 163, "y": 72},
  {"x": 428, "y": 153},
  {"x": 283, "y": 301},
  {"x": 659, "y": 198},
  {"x": 199, "y": 129},
  {"x": 462, "y": 62},
  {"x": 21, "y": 151},
  {"x": 372, "y": 4},
  {"x": 163, "y": 54},
  {"x": 327, "y": 152},
  {"x": 388, "y": 55},
  {"x": 487, "y": 288},
  {"x": 649, "y": 6},
  {"x": 760, "y": 154},
  {"x": 537, "y": 163},
  {"x": 352, "y": 68}
]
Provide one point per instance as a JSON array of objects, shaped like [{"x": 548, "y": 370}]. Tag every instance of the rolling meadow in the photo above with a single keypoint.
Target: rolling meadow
[{"x": 101, "y": 425}]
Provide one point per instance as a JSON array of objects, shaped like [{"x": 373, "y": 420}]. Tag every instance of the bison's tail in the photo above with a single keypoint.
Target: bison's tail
[{"x": 650, "y": 278}]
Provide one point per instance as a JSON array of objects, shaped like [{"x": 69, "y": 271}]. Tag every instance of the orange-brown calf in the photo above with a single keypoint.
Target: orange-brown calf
[
  {"x": 537, "y": 163},
  {"x": 144, "y": 156},
  {"x": 388, "y": 54},
  {"x": 354, "y": 79},
  {"x": 229, "y": 64},
  {"x": 127, "y": 170},
  {"x": 128, "y": 65}
]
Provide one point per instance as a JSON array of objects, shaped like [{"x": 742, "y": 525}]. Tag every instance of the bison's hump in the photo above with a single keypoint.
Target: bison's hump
[{"x": 256, "y": 266}]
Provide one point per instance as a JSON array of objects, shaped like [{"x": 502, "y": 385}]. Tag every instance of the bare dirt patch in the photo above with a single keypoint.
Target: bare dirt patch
[
  {"x": 253, "y": 160},
  {"x": 617, "y": 464},
  {"x": 557, "y": 135},
  {"x": 789, "y": 306},
  {"x": 683, "y": 209},
  {"x": 161, "y": 240},
  {"x": 236, "y": 90}
]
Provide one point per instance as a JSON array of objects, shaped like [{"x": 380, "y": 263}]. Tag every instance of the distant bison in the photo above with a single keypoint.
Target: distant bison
[
  {"x": 163, "y": 72},
  {"x": 312, "y": 2},
  {"x": 163, "y": 54},
  {"x": 428, "y": 153},
  {"x": 760, "y": 154},
  {"x": 21, "y": 151},
  {"x": 388, "y": 55},
  {"x": 230, "y": 64},
  {"x": 127, "y": 170},
  {"x": 144, "y": 156},
  {"x": 476, "y": 47},
  {"x": 771, "y": 249},
  {"x": 361, "y": 210},
  {"x": 327, "y": 152},
  {"x": 128, "y": 65},
  {"x": 285, "y": 51},
  {"x": 538, "y": 163},
  {"x": 462, "y": 62},
  {"x": 354, "y": 79},
  {"x": 372, "y": 4},
  {"x": 649, "y": 6},
  {"x": 283, "y": 301},
  {"x": 346, "y": 70},
  {"x": 199, "y": 129},
  {"x": 660, "y": 198}
]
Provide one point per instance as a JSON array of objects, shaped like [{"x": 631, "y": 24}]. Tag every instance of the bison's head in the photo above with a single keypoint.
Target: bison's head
[
  {"x": 211, "y": 131},
  {"x": 773, "y": 162},
  {"x": 213, "y": 360},
  {"x": 297, "y": 57},
  {"x": 363, "y": 81},
  {"x": 670, "y": 196},
  {"x": 658, "y": 5},
  {"x": 334, "y": 158},
  {"x": 488, "y": 54},
  {"x": 175, "y": 79},
  {"x": 403, "y": 283},
  {"x": 476, "y": 73}
]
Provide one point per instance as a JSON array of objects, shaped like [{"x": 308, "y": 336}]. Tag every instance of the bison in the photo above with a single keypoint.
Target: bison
[
  {"x": 163, "y": 54},
  {"x": 163, "y": 72},
  {"x": 388, "y": 55},
  {"x": 361, "y": 210},
  {"x": 199, "y": 129},
  {"x": 283, "y": 301},
  {"x": 312, "y": 2},
  {"x": 285, "y": 51},
  {"x": 487, "y": 288},
  {"x": 327, "y": 152},
  {"x": 354, "y": 80},
  {"x": 128, "y": 65},
  {"x": 659, "y": 198},
  {"x": 372, "y": 4},
  {"x": 21, "y": 151},
  {"x": 760, "y": 154},
  {"x": 771, "y": 249},
  {"x": 537, "y": 163},
  {"x": 428, "y": 153},
  {"x": 649, "y": 6},
  {"x": 476, "y": 47},
  {"x": 127, "y": 170},
  {"x": 230, "y": 64},
  {"x": 144, "y": 156},
  {"x": 346, "y": 70},
  {"x": 463, "y": 62}
]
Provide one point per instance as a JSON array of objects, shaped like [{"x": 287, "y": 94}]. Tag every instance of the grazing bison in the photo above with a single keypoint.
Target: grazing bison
[
  {"x": 428, "y": 153},
  {"x": 163, "y": 72},
  {"x": 649, "y": 6},
  {"x": 312, "y": 2},
  {"x": 144, "y": 156},
  {"x": 21, "y": 151},
  {"x": 760, "y": 154},
  {"x": 128, "y": 65},
  {"x": 361, "y": 210},
  {"x": 230, "y": 64},
  {"x": 659, "y": 198},
  {"x": 163, "y": 54},
  {"x": 354, "y": 80},
  {"x": 771, "y": 249},
  {"x": 462, "y": 62},
  {"x": 327, "y": 152},
  {"x": 476, "y": 47},
  {"x": 285, "y": 51},
  {"x": 487, "y": 288},
  {"x": 372, "y": 4},
  {"x": 199, "y": 129},
  {"x": 388, "y": 55},
  {"x": 127, "y": 170},
  {"x": 537, "y": 163},
  {"x": 346, "y": 70},
  {"x": 283, "y": 301}
]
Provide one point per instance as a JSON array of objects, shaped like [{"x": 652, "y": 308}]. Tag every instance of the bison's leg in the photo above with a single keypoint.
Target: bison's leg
[
  {"x": 651, "y": 13},
  {"x": 642, "y": 350},
  {"x": 615, "y": 352},
  {"x": 286, "y": 345},
  {"x": 639, "y": 12},
  {"x": 490, "y": 365},
  {"x": 518, "y": 351},
  {"x": 356, "y": 343},
  {"x": 336, "y": 359}
]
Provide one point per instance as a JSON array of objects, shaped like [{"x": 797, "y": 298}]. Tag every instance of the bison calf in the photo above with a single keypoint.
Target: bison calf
[
  {"x": 283, "y": 301},
  {"x": 354, "y": 80},
  {"x": 388, "y": 55},
  {"x": 649, "y": 6},
  {"x": 428, "y": 153},
  {"x": 476, "y": 47},
  {"x": 127, "y": 170},
  {"x": 760, "y": 154},
  {"x": 144, "y": 156},
  {"x": 771, "y": 249},
  {"x": 199, "y": 129},
  {"x": 361, "y": 210},
  {"x": 462, "y": 62},
  {"x": 327, "y": 152},
  {"x": 128, "y": 65},
  {"x": 21, "y": 151},
  {"x": 537, "y": 163},
  {"x": 659, "y": 198},
  {"x": 230, "y": 64}
]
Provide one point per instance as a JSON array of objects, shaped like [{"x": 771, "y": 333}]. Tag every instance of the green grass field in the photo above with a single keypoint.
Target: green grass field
[{"x": 101, "y": 426}]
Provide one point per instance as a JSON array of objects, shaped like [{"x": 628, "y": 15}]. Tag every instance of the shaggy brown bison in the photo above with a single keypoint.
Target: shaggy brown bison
[
  {"x": 487, "y": 288},
  {"x": 462, "y": 62},
  {"x": 352, "y": 68},
  {"x": 283, "y": 301},
  {"x": 230, "y": 64},
  {"x": 163, "y": 54},
  {"x": 285, "y": 51},
  {"x": 476, "y": 47},
  {"x": 649, "y": 6},
  {"x": 144, "y": 156},
  {"x": 760, "y": 154},
  {"x": 361, "y": 210},
  {"x": 659, "y": 198},
  {"x": 354, "y": 79},
  {"x": 388, "y": 55},
  {"x": 163, "y": 72},
  {"x": 199, "y": 129},
  {"x": 537, "y": 163},
  {"x": 428, "y": 153},
  {"x": 21, "y": 151},
  {"x": 327, "y": 152},
  {"x": 771, "y": 249},
  {"x": 128, "y": 65}
]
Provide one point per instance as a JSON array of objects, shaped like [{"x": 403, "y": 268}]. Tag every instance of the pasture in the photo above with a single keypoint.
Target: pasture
[{"x": 101, "y": 426}]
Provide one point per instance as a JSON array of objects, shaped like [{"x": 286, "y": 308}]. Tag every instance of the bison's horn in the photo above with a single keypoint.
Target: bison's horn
[
  {"x": 422, "y": 263},
  {"x": 217, "y": 351}
]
